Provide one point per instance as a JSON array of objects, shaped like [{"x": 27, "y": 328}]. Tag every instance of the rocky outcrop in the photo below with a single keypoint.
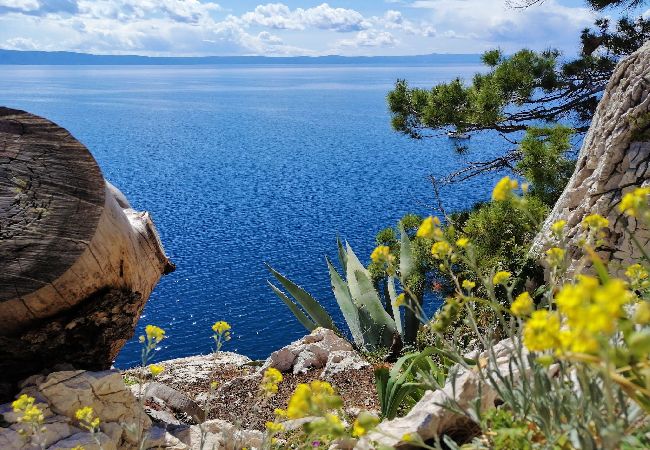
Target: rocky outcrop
[
  {"x": 430, "y": 418},
  {"x": 77, "y": 263},
  {"x": 322, "y": 349},
  {"x": 613, "y": 160}
]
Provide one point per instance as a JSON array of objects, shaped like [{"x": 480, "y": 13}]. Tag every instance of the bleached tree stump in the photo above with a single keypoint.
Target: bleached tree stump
[
  {"x": 614, "y": 159},
  {"x": 77, "y": 264}
]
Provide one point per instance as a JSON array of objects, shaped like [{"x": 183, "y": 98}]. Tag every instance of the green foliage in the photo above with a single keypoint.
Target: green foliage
[
  {"x": 544, "y": 163},
  {"x": 372, "y": 324},
  {"x": 399, "y": 384},
  {"x": 502, "y": 232}
]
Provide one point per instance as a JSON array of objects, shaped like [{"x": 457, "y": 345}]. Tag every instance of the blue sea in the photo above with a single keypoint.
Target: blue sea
[{"x": 241, "y": 165}]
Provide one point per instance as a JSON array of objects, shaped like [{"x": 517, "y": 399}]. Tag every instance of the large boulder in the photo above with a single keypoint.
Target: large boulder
[
  {"x": 613, "y": 160},
  {"x": 77, "y": 263}
]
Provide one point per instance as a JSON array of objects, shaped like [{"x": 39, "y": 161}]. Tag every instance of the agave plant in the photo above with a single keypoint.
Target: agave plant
[{"x": 370, "y": 325}]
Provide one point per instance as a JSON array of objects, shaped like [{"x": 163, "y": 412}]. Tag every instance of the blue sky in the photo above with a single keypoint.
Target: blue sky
[{"x": 251, "y": 27}]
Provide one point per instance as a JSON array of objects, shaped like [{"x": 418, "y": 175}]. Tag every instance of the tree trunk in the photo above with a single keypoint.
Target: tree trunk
[
  {"x": 613, "y": 160},
  {"x": 76, "y": 262}
]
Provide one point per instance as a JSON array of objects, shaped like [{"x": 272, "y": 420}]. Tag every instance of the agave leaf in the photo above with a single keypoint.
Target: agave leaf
[
  {"x": 308, "y": 303},
  {"x": 300, "y": 315},
  {"x": 406, "y": 259},
  {"x": 343, "y": 256},
  {"x": 354, "y": 265},
  {"x": 348, "y": 308},
  {"x": 381, "y": 323},
  {"x": 396, "y": 311},
  {"x": 371, "y": 333}
]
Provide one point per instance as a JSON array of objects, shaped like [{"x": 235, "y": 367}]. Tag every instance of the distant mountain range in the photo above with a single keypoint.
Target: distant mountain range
[{"x": 70, "y": 58}]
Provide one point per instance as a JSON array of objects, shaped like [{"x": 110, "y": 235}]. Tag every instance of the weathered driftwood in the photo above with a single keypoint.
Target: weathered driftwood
[
  {"x": 77, "y": 264},
  {"x": 613, "y": 160}
]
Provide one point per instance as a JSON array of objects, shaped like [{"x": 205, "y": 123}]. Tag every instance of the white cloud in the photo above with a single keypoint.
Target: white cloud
[
  {"x": 369, "y": 38},
  {"x": 395, "y": 20},
  {"x": 280, "y": 16},
  {"x": 493, "y": 23},
  {"x": 190, "y": 11}
]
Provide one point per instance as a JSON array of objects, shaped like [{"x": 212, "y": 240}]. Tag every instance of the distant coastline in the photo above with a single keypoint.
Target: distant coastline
[{"x": 16, "y": 57}]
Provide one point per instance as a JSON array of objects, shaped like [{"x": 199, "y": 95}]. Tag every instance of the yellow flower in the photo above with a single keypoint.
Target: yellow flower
[
  {"x": 86, "y": 418},
  {"x": 274, "y": 427},
  {"x": 501, "y": 277},
  {"x": 541, "y": 331},
  {"x": 555, "y": 256},
  {"x": 408, "y": 437},
  {"x": 221, "y": 327},
  {"x": 594, "y": 222},
  {"x": 400, "y": 300},
  {"x": 503, "y": 189},
  {"x": 429, "y": 228},
  {"x": 78, "y": 447},
  {"x": 642, "y": 313},
  {"x": 270, "y": 381},
  {"x": 635, "y": 202},
  {"x": 364, "y": 423},
  {"x": 156, "y": 369},
  {"x": 32, "y": 414},
  {"x": 468, "y": 285},
  {"x": 558, "y": 227},
  {"x": 214, "y": 385},
  {"x": 462, "y": 242},
  {"x": 523, "y": 305},
  {"x": 22, "y": 403},
  {"x": 154, "y": 334},
  {"x": 381, "y": 254},
  {"x": 441, "y": 250},
  {"x": 312, "y": 399},
  {"x": 638, "y": 276}
]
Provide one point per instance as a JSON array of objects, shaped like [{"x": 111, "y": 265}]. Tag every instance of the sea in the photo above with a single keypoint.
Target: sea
[{"x": 242, "y": 165}]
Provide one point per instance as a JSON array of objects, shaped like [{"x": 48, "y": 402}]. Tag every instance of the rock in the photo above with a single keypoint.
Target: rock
[
  {"x": 340, "y": 361},
  {"x": 314, "y": 351},
  {"x": 77, "y": 264},
  {"x": 60, "y": 394},
  {"x": 98, "y": 441},
  {"x": 429, "y": 418},
  {"x": 176, "y": 401},
  {"x": 614, "y": 159},
  {"x": 220, "y": 434},
  {"x": 160, "y": 438}
]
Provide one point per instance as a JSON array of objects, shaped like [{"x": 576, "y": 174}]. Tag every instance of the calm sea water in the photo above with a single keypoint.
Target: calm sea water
[{"x": 243, "y": 165}]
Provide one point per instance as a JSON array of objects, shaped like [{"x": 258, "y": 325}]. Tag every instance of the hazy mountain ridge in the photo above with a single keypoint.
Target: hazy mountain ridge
[{"x": 16, "y": 57}]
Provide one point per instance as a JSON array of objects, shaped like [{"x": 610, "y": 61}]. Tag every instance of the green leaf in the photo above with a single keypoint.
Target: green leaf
[
  {"x": 369, "y": 301},
  {"x": 308, "y": 303},
  {"x": 343, "y": 257},
  {"x": 397, "y": 314},
  {"x": 347, "y": 306},
  {"x": 406, "y": 259},
  {"x": 300, "y": 315},
  {"x": 353, "y": 265}
]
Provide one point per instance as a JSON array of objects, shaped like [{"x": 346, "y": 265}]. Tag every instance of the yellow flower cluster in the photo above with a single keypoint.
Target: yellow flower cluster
[
  {"x": 594, "y": 222},
  {"x": 523, "y": 305},
  {"x": 274, "y": 427},
  {"x": 222, "y": 328},
  {"x": 153, "y": 334},
  {"x": 364, "y": 423},
  {"x": 87, "y": 419},
  {"x": 638, "y": 276},
  {"x": 156, "y": 369},
  {"x": 400, "y": 300},
  {"x": 501, "y": 277},
  {"x": 270, "y": 381},
  {"x": 558, "y": 227},
  {"x": 27, "y": 410},
  {"x": 587, "y": 311},
  {"x": 635, "y": 203},
  {"x": 468, "y": 285},
  {"x": 430, "y": 228},
  {"x": 555, "y": 256},
  {"x": 441, "y": 250},
  {"x": 503, "y": 189},
  {"x": 381, "y": 254},
  {"x": 313, "y": 399}
]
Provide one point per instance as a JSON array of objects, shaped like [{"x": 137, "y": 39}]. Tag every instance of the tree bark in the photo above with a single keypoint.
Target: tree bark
[
  {"x": 69, "y": 243},
  {"x": 613, "y": 160}
]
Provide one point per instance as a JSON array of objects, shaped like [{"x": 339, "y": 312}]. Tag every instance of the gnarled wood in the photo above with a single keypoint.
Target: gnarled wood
[
  {"x": 67, "y": 237},
  {"x": 614, "y": 159}
]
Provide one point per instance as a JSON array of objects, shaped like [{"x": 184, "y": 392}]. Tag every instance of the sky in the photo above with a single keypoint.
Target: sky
[{"x": 289, "y": 28}]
